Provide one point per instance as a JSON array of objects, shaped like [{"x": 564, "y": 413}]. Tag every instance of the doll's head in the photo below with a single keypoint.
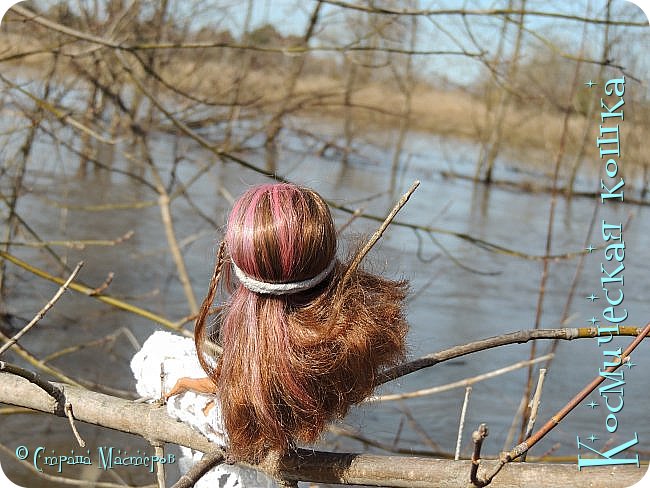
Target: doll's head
[
  {"x": 298, "y": 348},
  {"x": 279, "y": 234}
]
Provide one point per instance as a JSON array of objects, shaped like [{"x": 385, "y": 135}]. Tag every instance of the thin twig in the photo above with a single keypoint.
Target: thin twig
[
  {"x": 534, "y": 407},
  {"x": 522, "y": 336},
  {"x": 43, "y": 311},
  {"x": 97, "y": 342},
  {"x": 549, "y": 237},
  {"x": 74, "y": 244},
  {"x": 58, "y": 113},
  {"x": 374, "y": 9},
  {"x": 350, "y": 433},
  {"x": 398, "y": 434},
  {"x": 162, "y": 382},
  {"x": 418, "y": 429},
  {"x": 356, "y": 214},
  {"x": 69, "y": 414},
  {"x": 477, "y": 437},
  {"x": 102, "y": 288},
  {"x": 515, "y": 421},
  {"x": 458, "y": 384},
  {"x": 528, "y": 443},
  {"x": 461, "y": 423},
  {"x": 207, "y": 462},
  {"x": 183, "y": 276},
  {"x": 378, "y": 233},
  {"x": 86, "y": 290}
]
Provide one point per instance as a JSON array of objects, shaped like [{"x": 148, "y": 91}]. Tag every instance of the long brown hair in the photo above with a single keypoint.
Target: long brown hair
[{"x": 293, "y": 362}]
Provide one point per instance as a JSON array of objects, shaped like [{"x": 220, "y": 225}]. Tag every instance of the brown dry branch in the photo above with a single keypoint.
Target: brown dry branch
[
  {"x": 216, "y": 150},
  {"x": 224, "y": 155},
  {"x": 356, "y": 214},
  {"x": 540, "y": 187},
  {"x": 164, "y": 204},
  {"x": 417, "y": 428},
  {"x": 275, "y": 123},
  {"x": 522, "y": 336},
  {"x": 298, "y": 49},
  {"x": 103, "y": 207},
  {"x": 407, "y": 83},
  {"x": 592, "y": 107},
  {"x": 476, "y": 241},
  {"x": 90, "y": 157},
  {"x": 184, "y": 277},
  {"x": 151, "y": 422},
  {"x": 505, "y": 97},
  {"x": 513, "y": 424},
  {"x": 528, "y": 443},
  {"x": 201, "y": 49},
  {"x": 295, "y": 50},
  {"x": 570, "y": 190}
]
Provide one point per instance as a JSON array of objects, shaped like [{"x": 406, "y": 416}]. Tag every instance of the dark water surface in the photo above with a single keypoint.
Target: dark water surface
[{"x": 490, "y": 294}]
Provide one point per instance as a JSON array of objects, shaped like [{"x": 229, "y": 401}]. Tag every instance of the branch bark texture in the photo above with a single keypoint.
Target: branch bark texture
[{"x": 152, "y": 422}]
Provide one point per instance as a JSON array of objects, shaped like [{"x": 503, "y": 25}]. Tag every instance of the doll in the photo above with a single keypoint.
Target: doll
[{"x": 303, "y": 335}]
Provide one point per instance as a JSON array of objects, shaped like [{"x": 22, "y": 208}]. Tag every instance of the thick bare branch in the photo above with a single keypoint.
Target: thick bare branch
[{"x": 152, "y": 422}]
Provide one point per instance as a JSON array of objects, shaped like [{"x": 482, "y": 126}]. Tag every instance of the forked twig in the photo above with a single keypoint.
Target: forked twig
[
  {"x": 523, "y": 447},
  {"x": 43, "y": 311}
]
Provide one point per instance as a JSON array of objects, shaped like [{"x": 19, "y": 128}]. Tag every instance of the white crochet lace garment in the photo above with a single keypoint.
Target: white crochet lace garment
[{"x": 178, "y": 357}]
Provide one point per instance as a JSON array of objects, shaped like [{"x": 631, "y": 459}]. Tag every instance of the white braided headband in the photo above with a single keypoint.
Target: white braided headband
[{"x": 281, "y": 288}]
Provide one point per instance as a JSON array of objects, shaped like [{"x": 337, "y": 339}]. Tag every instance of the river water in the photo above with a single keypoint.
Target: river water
[{"x": 460, "y": 292}]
